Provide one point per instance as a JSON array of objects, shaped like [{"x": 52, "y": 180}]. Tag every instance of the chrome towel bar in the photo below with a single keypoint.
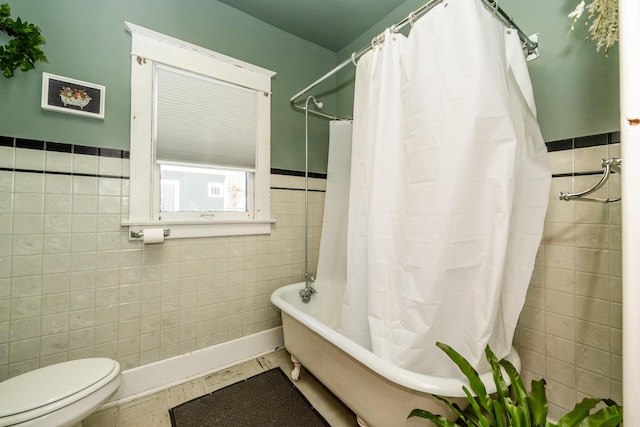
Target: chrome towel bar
[{"x": 608, "y": 165}]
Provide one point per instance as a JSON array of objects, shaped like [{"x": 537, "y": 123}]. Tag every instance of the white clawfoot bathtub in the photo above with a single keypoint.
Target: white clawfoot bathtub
[{"x": 379, "y": 393}]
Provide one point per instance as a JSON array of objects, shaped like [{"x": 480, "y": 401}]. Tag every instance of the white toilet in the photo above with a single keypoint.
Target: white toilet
[{"x": 58, "y": 395}]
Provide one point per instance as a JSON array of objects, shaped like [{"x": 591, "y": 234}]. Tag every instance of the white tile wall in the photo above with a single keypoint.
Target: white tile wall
[
  {"x": 570, "y": 329},
  {"x": 72, "y": 285}
]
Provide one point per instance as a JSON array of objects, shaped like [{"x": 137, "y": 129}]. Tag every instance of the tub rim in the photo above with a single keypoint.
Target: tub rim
[{"x": 440, "y": 386}]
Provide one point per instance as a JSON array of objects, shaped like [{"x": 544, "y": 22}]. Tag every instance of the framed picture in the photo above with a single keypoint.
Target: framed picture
[{"x": 72, "y": 96}]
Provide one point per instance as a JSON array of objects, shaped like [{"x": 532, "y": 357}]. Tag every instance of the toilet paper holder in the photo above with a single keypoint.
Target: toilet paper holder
[{"x": 139, "y": 234}]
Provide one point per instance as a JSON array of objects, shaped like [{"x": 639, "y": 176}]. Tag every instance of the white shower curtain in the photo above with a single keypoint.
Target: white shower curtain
[
  {"x": 448, "y": 191},
  {"x": 331, "y": 276},
  {"x": 375, "y": 160}
]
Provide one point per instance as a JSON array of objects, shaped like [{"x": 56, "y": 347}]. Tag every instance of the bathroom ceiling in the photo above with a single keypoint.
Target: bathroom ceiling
[{"x": 329, "y": 23}]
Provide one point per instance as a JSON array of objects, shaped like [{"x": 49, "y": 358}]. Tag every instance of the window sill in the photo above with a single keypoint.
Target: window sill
[{"x": 193, "y": 229}]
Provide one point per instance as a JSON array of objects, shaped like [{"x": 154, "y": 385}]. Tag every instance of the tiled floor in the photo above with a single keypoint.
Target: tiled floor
[{"x": 153, "y": 410}]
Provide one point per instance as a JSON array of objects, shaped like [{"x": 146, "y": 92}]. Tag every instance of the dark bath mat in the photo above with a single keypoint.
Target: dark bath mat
[{"x": 266, "y": 399}]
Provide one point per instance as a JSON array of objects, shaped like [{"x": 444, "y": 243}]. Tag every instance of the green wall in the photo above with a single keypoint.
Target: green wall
[
  {"x": 576, "y": 89},
  {"x": 87, "y": 40}
]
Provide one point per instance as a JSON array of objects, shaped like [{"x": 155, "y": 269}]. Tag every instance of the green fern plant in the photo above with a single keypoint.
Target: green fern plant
[{"x": 513, "y": 406}]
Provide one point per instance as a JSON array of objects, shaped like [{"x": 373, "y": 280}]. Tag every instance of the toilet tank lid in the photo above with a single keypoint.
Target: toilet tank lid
[{"x": 47, "y": 385}]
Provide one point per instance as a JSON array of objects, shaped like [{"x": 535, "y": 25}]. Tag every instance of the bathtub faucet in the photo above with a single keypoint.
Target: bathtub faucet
[
  {"x": 306, "y": 293},
  {"x": 309, "y": 279},
  {"x": 308, "y": 290}
]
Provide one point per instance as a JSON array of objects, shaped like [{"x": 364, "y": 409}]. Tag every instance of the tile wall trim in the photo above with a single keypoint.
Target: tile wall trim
[
  {"x": 298, "y": 174},
  {"x": 311, "y": 190},
  {"x": 63, "y": 173},
  {"x": 8, "y": 141},
  {"x": 584, "y": 141},
  {"x": 574, "y": 174},
  {"x": 108, "y": 154},
  {"x": 149, "y": 378},
  {"x": 289, "y": 172}
]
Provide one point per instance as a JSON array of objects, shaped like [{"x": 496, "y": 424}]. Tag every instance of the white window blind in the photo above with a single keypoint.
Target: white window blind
[{"x": 202, "y": 120}]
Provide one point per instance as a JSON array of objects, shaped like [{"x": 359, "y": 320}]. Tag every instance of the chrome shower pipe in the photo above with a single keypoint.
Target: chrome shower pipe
[
  {"x": 308, "y": 277},
  {"x": 315, "y": 113}
]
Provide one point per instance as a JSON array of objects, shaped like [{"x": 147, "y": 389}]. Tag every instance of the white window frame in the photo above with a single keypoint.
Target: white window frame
[{"x": 149, "y": 47}]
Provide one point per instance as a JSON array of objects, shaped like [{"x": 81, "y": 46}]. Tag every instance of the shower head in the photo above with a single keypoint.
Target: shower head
[{"x": 317, "y": 103}]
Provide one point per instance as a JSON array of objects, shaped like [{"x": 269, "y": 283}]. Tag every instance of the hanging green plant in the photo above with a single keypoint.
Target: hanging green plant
[{"x": 23, "y": 49}]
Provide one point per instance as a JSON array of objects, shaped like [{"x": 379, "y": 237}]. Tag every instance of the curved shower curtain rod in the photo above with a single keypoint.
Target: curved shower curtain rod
[{"x": 530, "y": 43}]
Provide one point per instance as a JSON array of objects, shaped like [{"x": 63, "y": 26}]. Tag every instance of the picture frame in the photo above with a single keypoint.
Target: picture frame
[{"x": 71, "y": 96}]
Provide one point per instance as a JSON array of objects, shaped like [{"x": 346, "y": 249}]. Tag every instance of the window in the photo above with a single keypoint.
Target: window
[
  {"x": 199, "y": 139},
  {"x": 205, "y": 190}
]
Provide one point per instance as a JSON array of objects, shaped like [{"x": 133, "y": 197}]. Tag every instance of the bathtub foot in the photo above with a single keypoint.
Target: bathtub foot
[
  {"x": 361, "y": 422},
  {"x": 295, "y": 374}
]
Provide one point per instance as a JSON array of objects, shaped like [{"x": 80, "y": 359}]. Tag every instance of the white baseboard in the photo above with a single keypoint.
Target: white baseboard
[{"x": 147, "y": 379}]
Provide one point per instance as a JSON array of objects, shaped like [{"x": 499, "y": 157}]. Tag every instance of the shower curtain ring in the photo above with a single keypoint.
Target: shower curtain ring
[
  {"x": 377, "y": 40},
  {"x": 392, "y": 32},
  {"x": 353, "y": 59},
  {"x": 494, "y": 5},
  {"x": 412, "y": 17}
]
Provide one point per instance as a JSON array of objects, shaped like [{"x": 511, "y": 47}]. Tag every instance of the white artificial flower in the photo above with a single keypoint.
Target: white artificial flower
[
  {"x": 577, "y": 12},
  {"x": 602, "y": 21}
]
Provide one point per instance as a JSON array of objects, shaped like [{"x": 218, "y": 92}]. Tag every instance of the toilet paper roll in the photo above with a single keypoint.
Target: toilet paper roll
[{"x": 153, "y": 235}]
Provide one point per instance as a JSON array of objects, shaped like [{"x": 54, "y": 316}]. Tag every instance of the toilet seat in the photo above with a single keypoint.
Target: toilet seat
[{"x": 46, "y": 390}]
